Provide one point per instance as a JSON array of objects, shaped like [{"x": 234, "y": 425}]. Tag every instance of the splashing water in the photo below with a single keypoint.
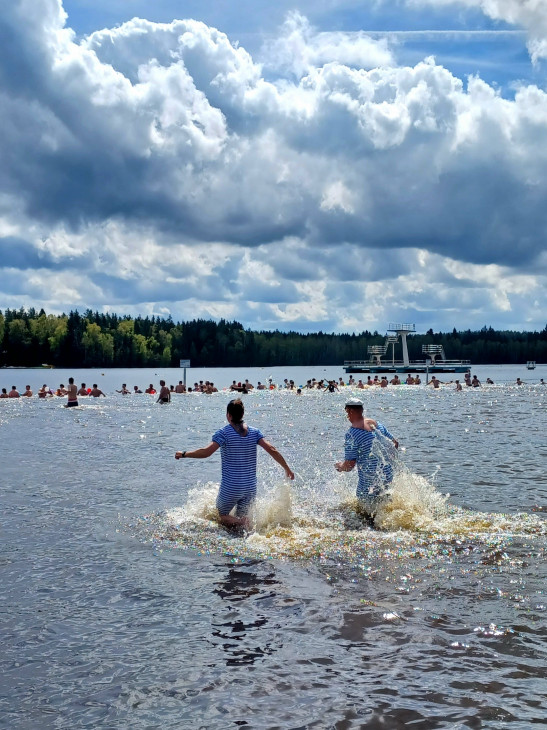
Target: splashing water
[{"x": 300, "y": 523}]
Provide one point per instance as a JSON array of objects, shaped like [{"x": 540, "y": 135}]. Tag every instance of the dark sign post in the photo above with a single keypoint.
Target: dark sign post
[{"x": 184, "y": 364}]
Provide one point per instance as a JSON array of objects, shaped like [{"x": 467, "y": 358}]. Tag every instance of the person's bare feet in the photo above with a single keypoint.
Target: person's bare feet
[{"x": 236, "y": 523}]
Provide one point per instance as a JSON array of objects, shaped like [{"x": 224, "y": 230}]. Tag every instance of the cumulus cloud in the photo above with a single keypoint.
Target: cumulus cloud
[
  {"x": 160, "y": 165},
  {"x": 300, "y": 49}
]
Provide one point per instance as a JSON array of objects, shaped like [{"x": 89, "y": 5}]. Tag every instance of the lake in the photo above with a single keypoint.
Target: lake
[{"x": 125, "y": 605}]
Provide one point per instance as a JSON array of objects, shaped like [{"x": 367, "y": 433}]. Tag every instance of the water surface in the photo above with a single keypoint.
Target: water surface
[{"x": 125, "y": 605}]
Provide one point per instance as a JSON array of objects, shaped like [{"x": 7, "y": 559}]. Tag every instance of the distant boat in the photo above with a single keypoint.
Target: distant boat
[
  {"x": 434, "y": 362},
  {"x": 531, "y": 364}
]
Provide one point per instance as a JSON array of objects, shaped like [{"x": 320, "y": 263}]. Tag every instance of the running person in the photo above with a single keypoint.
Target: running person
[
  {"x": 374, "y": 472},
  {"x": 237, "y": 442}
]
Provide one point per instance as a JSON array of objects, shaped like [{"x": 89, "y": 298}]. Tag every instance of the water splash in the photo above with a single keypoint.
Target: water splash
[{"x": 299, "y": 523}]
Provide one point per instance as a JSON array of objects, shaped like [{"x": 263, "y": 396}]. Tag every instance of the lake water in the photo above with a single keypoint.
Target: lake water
[{"x": 124, "y": 605}]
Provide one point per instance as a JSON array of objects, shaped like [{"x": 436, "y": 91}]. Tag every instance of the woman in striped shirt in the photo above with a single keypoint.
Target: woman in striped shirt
[{"x": 237, "y": 442}]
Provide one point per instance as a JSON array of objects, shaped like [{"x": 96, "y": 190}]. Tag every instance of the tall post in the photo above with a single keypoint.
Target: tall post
[
  {"x": 184, "y": 364},
  {"x": 406, "y": 361}
]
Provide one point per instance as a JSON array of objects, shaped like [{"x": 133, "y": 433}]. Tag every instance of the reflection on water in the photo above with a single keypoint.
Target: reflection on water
[{"x": 238, "y": 628}]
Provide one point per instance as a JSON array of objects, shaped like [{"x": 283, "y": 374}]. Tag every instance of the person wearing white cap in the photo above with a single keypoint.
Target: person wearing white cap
[{"x": 375, "y": 470}]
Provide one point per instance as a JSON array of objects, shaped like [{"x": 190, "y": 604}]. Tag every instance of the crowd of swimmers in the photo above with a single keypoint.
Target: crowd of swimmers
[{"x": 165, "y": 392}]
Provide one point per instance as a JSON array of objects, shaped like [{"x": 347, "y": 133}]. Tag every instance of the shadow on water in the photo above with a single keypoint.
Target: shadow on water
[{"x": 238, "y": 630}]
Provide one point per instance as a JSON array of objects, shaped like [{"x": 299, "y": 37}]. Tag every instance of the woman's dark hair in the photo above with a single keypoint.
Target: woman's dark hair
[{"x": 236, "y": 410}]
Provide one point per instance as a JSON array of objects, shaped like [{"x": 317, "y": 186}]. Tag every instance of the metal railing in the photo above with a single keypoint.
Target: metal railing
[{"x": 393, "y": 327}]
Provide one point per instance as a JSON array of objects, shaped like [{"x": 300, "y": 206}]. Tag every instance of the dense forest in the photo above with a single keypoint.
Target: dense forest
[{"x": 30, "y": 338}]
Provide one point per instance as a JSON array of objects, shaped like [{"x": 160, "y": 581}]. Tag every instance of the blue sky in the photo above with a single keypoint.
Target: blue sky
[{"x": 330, "y": 165}]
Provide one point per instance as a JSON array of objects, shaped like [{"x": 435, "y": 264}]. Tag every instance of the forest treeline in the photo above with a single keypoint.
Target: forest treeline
[{"x": 29, "y": 338}]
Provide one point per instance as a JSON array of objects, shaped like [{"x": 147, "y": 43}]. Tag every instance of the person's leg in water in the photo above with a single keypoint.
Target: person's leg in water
[
  {"x": 373, "y": 497},
  {"x": 369, "y": 506},
  {"x": 241, "y": 520}
]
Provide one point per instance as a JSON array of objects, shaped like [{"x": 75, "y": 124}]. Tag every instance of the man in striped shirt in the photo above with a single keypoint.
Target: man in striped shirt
[
  {"x": 237, "y": 442},
  {"x": 374, "y": 465}
]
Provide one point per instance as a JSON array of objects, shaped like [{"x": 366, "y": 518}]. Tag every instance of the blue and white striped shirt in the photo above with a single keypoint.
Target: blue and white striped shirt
[
  {"x": 373, "y": 466},
  {"x": 238, "y": 455}
]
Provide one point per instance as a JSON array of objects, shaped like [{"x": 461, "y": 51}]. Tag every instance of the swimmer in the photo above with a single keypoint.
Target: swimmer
[
  {"x": 96, "y": 392},
  {"x": 83, "y": 390},
  {"x": 123, "y": 391},
  {"x": 164, "y": 394},
  {"x": 458, "y": 385},
  {"x": 237, "y": 442},
  {"x": 72, "y": 393},
  {"x": 14, "y": 393},
  {"x": 28, "y": 391}
]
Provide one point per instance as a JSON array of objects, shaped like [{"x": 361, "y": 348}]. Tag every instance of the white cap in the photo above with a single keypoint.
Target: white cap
[{"x": 354, "y": 403}]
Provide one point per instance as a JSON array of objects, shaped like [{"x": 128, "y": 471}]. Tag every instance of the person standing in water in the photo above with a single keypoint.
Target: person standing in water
[
  {"x": 96, "y": 392},
  {"x": 237, "y": 442},
  {"x": 374, "y": 473},
  {"x": 165, "y": 393},
  {"x": 72, "y": 393}
]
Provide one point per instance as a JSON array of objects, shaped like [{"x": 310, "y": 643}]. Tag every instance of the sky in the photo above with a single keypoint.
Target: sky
[{"x": 335, "y": 165}]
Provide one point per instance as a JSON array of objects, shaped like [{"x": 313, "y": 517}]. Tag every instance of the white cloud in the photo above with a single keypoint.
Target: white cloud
[
  {"x": 158, "y": 165},
  {"x": 299, "y": 48}
]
